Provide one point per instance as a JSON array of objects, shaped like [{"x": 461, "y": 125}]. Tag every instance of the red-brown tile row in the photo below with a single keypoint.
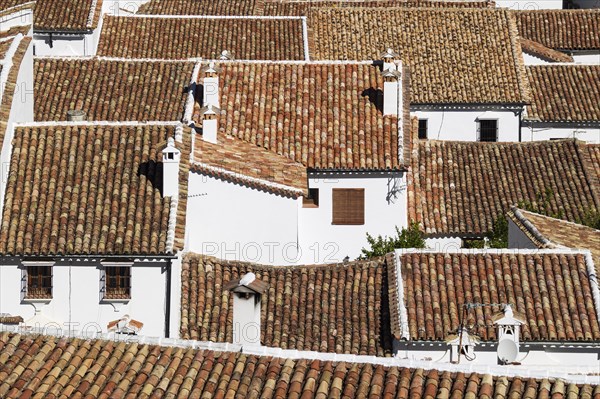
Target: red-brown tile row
[
  {"x": 552, "y": 291},
  {"x": 541, "y": 51},
  {"x": 67, "y": 15},
  {"x": 177, "y": 38},
  {"x": 333, "y": 308},
  {"x": 480, "y": 61},
  {"x": 79, "y": 190},
  {"x": 461, "y": 188},
  {"x": 561, "y": 29},
  {"x": 111, "y": 90},
  {"x": 6, "y": 4},
  {"x": 564, "y": 93},
  {"x": 10, "y": 87},
  {"x": 50, "y": 367},
  {"x": 324, "y": 116},
  {"x": 198, "y": 7},
  {"x": 243, "y": 159},
  {"x": 547, "y": 232}
]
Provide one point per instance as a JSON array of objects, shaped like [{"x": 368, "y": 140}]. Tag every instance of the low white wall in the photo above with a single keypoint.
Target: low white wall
[
  {"x": 583, "y": 57},
  {"x": 18, "y": 18},
  {"x": 235, "y": 222},
  {"x": 461, "y": 125},
  {"x": 443, "y": 243},
  {"x": 385, "y": 208},
  {"x": 532, "y": 131},
  {"x": 76, "y": 296},
  {"x": 530, "y": 4},
  {"x": 66, "y": 45},
  {"x": 530, "y": 59}
]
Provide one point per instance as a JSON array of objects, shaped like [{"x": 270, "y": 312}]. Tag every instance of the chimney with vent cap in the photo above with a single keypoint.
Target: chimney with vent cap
[
  {"x": 392, "y": 83},
  {"x": 170, "y": 158},
  {"x": 390, "y": 59},
  {"x": 247, "y": 293},
  {"x": 210, "y": 85},
  {"x": 210, "y": 123},
  {"x": 509, "y": 326}
]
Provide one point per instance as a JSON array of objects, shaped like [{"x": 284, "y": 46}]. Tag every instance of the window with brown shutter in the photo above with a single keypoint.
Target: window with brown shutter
[
  {"x": 118, "y": 282},
  {"x": 39, "y": 282},
  {"x": 348, "y": 206}
]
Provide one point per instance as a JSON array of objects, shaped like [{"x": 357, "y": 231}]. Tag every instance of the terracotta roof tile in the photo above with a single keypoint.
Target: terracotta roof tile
[
  {"x": 564, "y": 93},
  {"x": 10, "y": 88},
  {"x": 198, "y": 7},
  {"x": 242, "y": 159},
  {"x": 5, "y": 4},
  {"x": 547, "y": 232},
  {"x": 202, "y": 37},
  {"x": 111, "y": 90},
  {"x": 67, "y": 15},
  {"x": 322, "y": 115},
  {"x": 81, "y": 190},
  {"x": 460, "y": 188},
  {"x": 51, "y": 367},
  {"x": 480, "y": 61},
  {"x": 333, "y": 308},
  {"x": 543, "y": 52},
  {"x": 561, "y": 29},
  {"x": 436, "y": 285}
]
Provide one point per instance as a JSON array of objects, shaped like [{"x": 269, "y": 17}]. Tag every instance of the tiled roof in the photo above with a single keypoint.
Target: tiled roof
[
  {"x": 552, "y": 291},
  {"x": 323, "y": 115},
  {"x": 303, "y": 7},
  {"x": 460, "y": 188},
  {"x": 67, "y": 15},
  {"x": 547, "y": 232},
  {"x": 8, "y": 319},
  {"x": 198, "y": 7},
  {"x": 81, "y": 190},
  {"x": 561, "y": 29},
  {"x": 541, "y": 51},
  {"x": 46, "y": 366},
  {"x": 111, "y": 90},
  {"x": 564, "y": 93},
  {"x": 10, "y": 87},
  {"x": 7, "y": 5},
  {"x": 232, "y": 158},
  {"x": 480, "y": 60},
  {"x": 592, "y": 156},
  {"x": 250, "y": 38},
  {"x": 329, "y": 308}
]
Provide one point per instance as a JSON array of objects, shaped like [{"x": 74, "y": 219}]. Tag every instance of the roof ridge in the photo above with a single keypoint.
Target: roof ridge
[
  {"x": 521, "y": 210},
  {"x": 517, "y": 53},
  {"x": 591, "y": 178}
]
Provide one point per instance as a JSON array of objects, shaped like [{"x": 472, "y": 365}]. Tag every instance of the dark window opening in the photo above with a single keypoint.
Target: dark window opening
[
  {"x": 422, "y": 129},
  {"x": 312, "y": 201},
  {"x": 348, "y": 206},
  {"x": 39, "y": 282},
  {"x": 118, "y": 282},
  {"x": 488, "y": 130}
]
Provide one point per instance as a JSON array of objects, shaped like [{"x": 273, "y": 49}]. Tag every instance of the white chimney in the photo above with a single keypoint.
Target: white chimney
[
  {"x": 170, "y": 158},
  {"x": 462, "y": 346},
  {"x": 210, "y": 123},
  {"x": 247, "y": 293},
  {"x": 509, "y": 327},
  {"x": 392, "y": 92},
  {"x": 210, "y": 85},
  {"x": 389, "y": 58}
]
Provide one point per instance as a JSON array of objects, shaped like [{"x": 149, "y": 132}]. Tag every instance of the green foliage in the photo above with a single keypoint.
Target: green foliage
[
  {"x": 410, "y": 237},
  {"x": 542, "y": 204},
  {"x": 591, "y": 218},
  {"x": 497, "y": 238}
]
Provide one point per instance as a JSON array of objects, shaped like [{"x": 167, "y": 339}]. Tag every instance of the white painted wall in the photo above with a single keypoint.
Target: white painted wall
[
  {"x": 532, "y": 356},
  {"x": 18, "y": 18},
  {"x": 235, "y": 222},
  {"x": 530, "y": 4},
  {"x": 385, "y": 208},
  {"x": 586, "y": 57},
  {"x": 530, "y": 59},
  {"x": 534, "y": 131},
  {"x": 462, "y": 125},
  {"x": 76, "y": 296},
  {"x": 67, "y": 45},
  {"x": 444, "y": 243}
]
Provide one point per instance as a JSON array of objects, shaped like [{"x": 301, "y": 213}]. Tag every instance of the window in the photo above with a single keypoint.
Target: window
[
  {"x": 348, "y": 206},
  {"x": 488, "y": 130},
  {"x": 37, "y": 281},
  {"x": 312, "y": 201},
  {"x": 116, "y": 283},
  {"x": 422, "y": 129}
]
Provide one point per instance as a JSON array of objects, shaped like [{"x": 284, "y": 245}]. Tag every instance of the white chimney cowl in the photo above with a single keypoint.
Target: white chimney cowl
[
  {"x": 170, "y": 159},
  {"x": 210, "y": 86},
  {"x": 210, "y": 123},
  {"x": 389, "y": 58},
  {"x": 392, "y": 92}
]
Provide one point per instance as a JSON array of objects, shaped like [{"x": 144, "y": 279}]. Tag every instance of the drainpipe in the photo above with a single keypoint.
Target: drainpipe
[
  {"x": 168, "y": 301},
  {"x": 520, "y": 123}
]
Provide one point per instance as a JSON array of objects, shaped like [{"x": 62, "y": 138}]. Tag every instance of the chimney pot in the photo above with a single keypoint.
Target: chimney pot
[
  {"x": 247, "y": 292},
  {"x": 210, "y": 123},
  {"x": 170, "y": 158},
  {"x": 210, "y": 85},
  {"x": 392, "y": 93},
  {"x": 76, "y": 115}
]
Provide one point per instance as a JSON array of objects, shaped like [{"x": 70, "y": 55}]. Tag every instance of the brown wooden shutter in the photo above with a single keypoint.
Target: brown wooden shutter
[{"x": 348, "y": 206}]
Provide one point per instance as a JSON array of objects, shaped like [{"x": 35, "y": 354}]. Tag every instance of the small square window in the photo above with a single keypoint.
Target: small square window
[
  {"x": 423, "y": 129},
  {"x": 312, "y": 201},
  {"x": 116, "y": 283},
  {"x": 488, "y": 130},
  {"x": 37, "y": 282}
]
